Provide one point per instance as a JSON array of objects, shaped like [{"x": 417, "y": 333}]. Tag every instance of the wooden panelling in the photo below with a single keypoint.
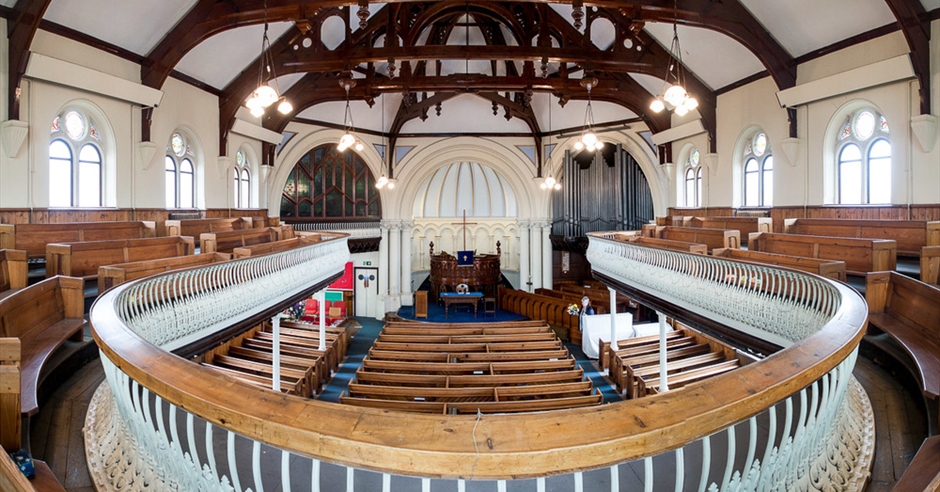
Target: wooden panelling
[{"x": 779, "y": 214}]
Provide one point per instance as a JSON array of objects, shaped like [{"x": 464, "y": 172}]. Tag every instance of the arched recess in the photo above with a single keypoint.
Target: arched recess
[
  {"x": 329, "y": 185},
  {"x": 252, "y": 156},
  {"x": 682, "y": 157},
  {"x": 830, "y": 147},
  {"x": 199, "y": 162},
  {"x": 300, "y": 145},
  {"x": 737, "y": 163},
  {"x": 108, "y": 148}
]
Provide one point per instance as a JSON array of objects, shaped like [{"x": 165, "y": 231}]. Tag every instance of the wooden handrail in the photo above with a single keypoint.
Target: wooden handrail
[{"x": 496, "y": 446}]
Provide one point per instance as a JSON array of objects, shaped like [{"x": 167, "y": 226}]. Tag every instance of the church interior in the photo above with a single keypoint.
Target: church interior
[{"x": 541, "y": 245}]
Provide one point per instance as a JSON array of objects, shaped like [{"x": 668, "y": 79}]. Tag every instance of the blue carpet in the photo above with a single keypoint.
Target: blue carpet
[
  {"x": 592, "y": 371},
  {"x": 458, "y": 314}
]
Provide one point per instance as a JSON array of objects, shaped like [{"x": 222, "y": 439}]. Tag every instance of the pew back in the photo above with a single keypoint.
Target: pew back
[
  {"x": 84, "y": 259},
  {"x": 276, "y": 246},
  {"x": 552, "y": 310},
  {"x": 669, "y": 244},
  {"x": 744, "y": 225},
  {"x": 111, "y": 275},
  {"x": 910, "y": 235},
  {"x": 930, "y": 265},
  {"x": 34, "y": 237},
  {"x": 825, "y": 268},
  {"x": 860, "y": 255},
  {"x": 226, "y": 242},
  {"x": 713, "y": 238},
  {"x": 195, "y": 227},
  {"x": 13, "y": 270}
]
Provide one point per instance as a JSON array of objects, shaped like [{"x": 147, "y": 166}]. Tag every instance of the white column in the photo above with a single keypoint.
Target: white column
[
  {"x": 535, "y": 265},
  {"x": 548, "y": 262},
  {"x": 406, "y": 295},
  {"x": 322, "y": 299},
  {"x": 384, "y": 272},
  {"x": 613, "y": 318},
  {"x": 524, "y": 255},
  {"x": 663, "y": 382},
  {"x": 276, "y": 354},
  {"x": 394, "y": 265}
]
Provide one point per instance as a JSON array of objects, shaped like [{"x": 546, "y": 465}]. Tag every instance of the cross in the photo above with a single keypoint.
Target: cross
[{"x": 465, "y": 224}]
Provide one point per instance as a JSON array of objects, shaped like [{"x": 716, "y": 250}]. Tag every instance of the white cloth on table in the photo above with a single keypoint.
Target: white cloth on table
[{"x": 597, "y": 327}]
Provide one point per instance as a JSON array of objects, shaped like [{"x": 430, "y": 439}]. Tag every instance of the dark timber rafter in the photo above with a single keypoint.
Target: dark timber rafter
[
  {"x": 915, "y": 24},
  {"x": 21, "y": 29}
]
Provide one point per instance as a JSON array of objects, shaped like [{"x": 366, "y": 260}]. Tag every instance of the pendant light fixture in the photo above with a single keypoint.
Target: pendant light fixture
[
  {"x": 348, "y": 140},
  {"x": 384, "y": 180},
  {"x": 550, "y": 182},
  {"x": 265, "y": 95},
  {"x": 588, "y": 138},
  {"x": 675, "y": 94}
]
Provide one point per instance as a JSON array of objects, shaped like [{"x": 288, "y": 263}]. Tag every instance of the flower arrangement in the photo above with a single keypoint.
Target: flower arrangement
[
  {"x": 573, "y": 309},
  {"x": 297, "y": 311}
]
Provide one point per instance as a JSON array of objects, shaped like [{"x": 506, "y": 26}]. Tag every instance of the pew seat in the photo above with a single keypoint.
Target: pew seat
[{"x": 34, "y": 237}]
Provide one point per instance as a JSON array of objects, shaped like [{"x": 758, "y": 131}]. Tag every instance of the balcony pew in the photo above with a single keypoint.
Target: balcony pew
[
  {"x": 43, "y": 316},
  {"x": 276, "y": 246},
  {"x": 674, "y": 220},
  {"x": 195, "y": 227},
  {"x": 713, "y": 238},
  {"x": 826, "y": 268},
  {"x": 860, "y": 255},
  {"x": 910, "y": 235},
  {"x": 13, "y": 271},
  {"x": 84, "y": 259},
  {"x": 908, "y": 311},
  {"x": 226, "y": 242},
  {"x": 744, "y": 225},
  {"x": 930, "y": 265},
  {"x": 111, "y": 275},
  {"x": 652, "y": 242},
  {"x": 922, "y": 473},
  {"x": 34, "y": 237}
]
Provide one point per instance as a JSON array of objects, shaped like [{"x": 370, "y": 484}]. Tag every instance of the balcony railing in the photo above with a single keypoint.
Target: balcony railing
[{"x": 795, "y": 419}]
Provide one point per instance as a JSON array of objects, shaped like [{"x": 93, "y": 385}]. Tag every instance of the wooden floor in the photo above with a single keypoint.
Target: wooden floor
[{"x": 57, "y": 431}]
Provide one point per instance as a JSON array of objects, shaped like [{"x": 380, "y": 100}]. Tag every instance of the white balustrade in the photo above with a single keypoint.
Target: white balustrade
[{"x": 136, "y": 439}]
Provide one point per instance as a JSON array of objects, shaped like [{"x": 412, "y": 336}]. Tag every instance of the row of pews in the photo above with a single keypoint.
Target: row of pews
[
  {"x": 304, "y": 369},
  {"x": 443, "y": 368}
]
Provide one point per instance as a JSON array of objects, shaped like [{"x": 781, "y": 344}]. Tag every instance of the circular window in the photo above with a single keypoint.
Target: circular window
[
  {"x": 760, "y": 144},
  {"x": 693, "y": 159},
  {"x": 864, "y": 125},
  {"x": 239, "y": 158},
  {"x": 176, "y": 143},
  {"x": 74, "y": 125}
]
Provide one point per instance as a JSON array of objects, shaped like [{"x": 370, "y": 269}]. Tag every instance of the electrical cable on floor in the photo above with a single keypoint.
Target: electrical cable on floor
[{"x": 476, "y": 446}]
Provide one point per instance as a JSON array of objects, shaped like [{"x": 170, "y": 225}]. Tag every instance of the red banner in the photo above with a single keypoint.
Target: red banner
[{"x": 346, "y": 281}]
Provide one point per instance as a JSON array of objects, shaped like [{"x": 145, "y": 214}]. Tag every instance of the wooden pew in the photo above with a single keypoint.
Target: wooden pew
[
  {"x": 923, "y": 473},
  {"x": 84, "y": 259},
  {"x": 195, "y": 227},
  {"x": 910, "y": 235},
  {"x": 111, "y": 275},
  {"x": 713, "y": 238},
  {"x": 652, "y": 242},
  {"x": 471, "y": 380},
  {"x": 13, "y": 271},
  {"x": 34, "y": 237},
  {"x": 860, "y": 255},
  {"x": 226, "y": 242},
  {"x": 908, "y": 311},
  {"x": 650, "y": 386},
  {"x": 420, "y": 367},
  {"x": 276, "y": 246},
  {"x": 930, "y": 265},
  {"x": 674, "y": 220},
  {"x": 744, "y": 225},
  {"x": 551, "y": 310},
  {"x": 826, "y": 268},
  {"x": 43, "y": 316}
]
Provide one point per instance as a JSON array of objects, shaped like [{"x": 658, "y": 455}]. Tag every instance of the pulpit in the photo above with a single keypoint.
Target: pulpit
[{"x": 483, "y": 275}]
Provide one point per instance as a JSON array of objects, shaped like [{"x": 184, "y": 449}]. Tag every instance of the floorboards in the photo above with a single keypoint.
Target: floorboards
[{"x": 57, "y": 431}]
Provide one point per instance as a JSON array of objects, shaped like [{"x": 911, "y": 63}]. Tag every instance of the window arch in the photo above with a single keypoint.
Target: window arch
[
  {"x": 241, "y": 180},
  {"x": 693, "y": 180},
  {"x": 75, "y": 161},
  {"x": 758, "y": 172},
  {"x": 326, "y": 184},
  {"x": 863, "y": 164},
  {"x": 180, "y": 173}
]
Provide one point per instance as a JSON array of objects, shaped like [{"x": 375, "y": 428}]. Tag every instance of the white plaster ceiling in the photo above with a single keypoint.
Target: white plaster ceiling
[
  {"x": 469, "y": 186},
  {"x": 465, "y": 113},
  {"x": 136, "y": 26},
  {"x": 802, "y": 26}
]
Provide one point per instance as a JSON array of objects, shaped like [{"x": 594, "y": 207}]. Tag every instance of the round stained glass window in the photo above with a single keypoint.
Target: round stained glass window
[
  {"x": 176, "y": 143},
  {"x": 74, "y": 125},
  {"x": 239, "y": 158},
  {"x": 693, "y": 159},
  {"x": 865, "y": 125},
  {"x": 760, "y": 144}
]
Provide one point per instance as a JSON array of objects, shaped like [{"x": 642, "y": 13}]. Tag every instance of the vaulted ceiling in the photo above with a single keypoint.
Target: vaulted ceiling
[{"x": 485, "y": 66}]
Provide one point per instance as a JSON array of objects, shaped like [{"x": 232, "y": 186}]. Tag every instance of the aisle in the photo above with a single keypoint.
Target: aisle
[{"x": 358, "y": 348}]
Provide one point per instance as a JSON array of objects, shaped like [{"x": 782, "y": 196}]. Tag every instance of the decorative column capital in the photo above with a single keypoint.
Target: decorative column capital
[{"x": 524, "y": 223}]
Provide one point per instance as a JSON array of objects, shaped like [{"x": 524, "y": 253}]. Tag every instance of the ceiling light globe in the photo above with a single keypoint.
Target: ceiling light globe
[
  {"x": 598, "y": 145},
  {"x": 589, "y": 139},
  {"x": 391, "y": 184},
  {"x": 657, "y": 105},
  {"x": 543, "y": 186},
  {"x": 682, "y": 110},
  {"x": 691, "y": 103},
  {"x": 257, "y": 111},
  {"x": 549, "y": 181},
  {"x": 557, "y": 186},
  {"x": 285, "y": 107},
  {"x": 675, "y": 95},
  {"x": 266, "y": 95},
  {"x": 359, "y": 146},
  {"x": 578, "y": 145}
]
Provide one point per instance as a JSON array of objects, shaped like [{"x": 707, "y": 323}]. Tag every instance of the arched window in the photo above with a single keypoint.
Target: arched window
[
  {"x": 864, "y": 159},
  {"x": 758, "y": 172},
  {"x": 75, "y": 163},
  {"x": 241, "y": 181},
  {"x": 693, "y": 180},
  {"x": 180, "y": 173},
  {"x": 326, "y": 184}
]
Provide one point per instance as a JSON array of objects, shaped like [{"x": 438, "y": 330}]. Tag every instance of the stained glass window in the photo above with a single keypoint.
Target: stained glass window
[
  {"x": 93, "y": 132},
  {"x": 180, "y": 184},
  {"x": 758, "y": 172},
  {"x": 760, "y": 144},
  {"x": 693, "y": 180},
  {"x": 75, "y": 161},
  {"x": 55, "y": 125},
  {"x": 864, "y": 160},
  {"x": 177, "y": 145},
  {"x": 326, "y": 183},
  {"x": 74, "y": 125},
  {"x": 846, "y": 131}
]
